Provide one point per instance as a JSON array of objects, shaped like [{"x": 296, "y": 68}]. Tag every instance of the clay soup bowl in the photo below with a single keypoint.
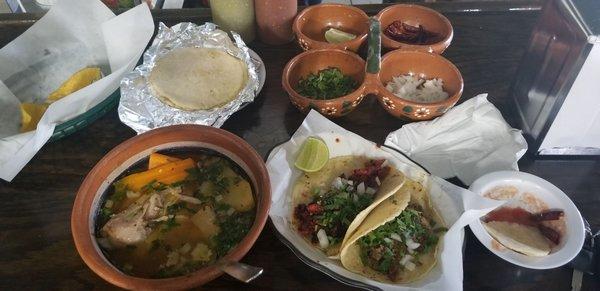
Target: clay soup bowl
[
  {"x": 310, "y": 26},
  {"x": 137, "y": 149}
]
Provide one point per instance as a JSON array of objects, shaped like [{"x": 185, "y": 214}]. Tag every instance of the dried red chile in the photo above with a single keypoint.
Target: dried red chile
[{"x": 402, "y": 32}]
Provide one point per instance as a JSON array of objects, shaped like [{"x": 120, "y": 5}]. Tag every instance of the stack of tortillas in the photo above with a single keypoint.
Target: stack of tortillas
[{"x": 198, "y": 78}]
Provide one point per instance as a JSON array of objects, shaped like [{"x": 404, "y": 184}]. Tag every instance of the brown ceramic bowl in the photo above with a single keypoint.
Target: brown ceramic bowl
[
  {"x": 310, "y": 26},
  {"x": 416, "y": 15},
  {"x": 423, "y": 65},
  {"x": 313, "y": 61},
  {"x": 139, "y": 148}
]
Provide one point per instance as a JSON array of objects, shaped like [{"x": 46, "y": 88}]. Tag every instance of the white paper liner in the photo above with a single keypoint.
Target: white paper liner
[
  {"x": 449, "y": 200},
  {"x": 74, "y": 34},
  {"x": 139, "y": 107}
]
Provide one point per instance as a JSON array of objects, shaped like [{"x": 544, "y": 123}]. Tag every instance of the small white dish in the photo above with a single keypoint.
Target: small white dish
[{"x": 571, "y": 242}]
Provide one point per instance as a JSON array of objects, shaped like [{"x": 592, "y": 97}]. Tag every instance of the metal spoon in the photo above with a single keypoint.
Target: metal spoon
[{"x": 241, "y": 271}]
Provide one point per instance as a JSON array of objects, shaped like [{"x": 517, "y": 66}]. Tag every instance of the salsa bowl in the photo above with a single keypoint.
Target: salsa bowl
[
  {"x": 420, "y": 64},
  {"x": 416, "y": 15},
  {"x": 95, "y": 187},
  {"x": 310, "y": 26}
]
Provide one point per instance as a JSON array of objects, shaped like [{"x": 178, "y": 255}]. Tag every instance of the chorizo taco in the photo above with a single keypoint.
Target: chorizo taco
[
  {"x": 399, "y": 239},
  {"x": 332, "y": 202}
]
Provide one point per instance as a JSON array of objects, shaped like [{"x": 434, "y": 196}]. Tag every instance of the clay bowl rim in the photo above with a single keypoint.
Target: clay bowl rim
[
  {"x": 397, "y": 44},
  {"x": 87, "y": 201},
  {"x": 450, "y": 100},
  {"x": 290, "y": 89},
  {"x": 297, "y": 29}
]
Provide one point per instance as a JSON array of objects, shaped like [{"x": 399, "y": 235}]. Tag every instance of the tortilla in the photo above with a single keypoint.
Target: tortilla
[
  {"x": 198, "y": 78},
  {"x": 411, "y": 192},
  {"x": 524, "y": 239},
  {"x": 302, "y": 191}
]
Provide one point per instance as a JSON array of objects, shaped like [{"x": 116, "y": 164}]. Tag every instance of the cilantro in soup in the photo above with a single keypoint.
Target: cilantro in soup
[{"x": 175, "y": 214}]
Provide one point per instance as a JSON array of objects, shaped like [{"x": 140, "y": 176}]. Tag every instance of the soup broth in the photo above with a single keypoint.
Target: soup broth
[{"x": 174, "y": 214}]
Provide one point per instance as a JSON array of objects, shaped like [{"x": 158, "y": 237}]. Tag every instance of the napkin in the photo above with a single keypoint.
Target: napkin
[
  {"x": 457, "y": 206},
  {"x": 469, "y": 141},
  {"x": 72, "y": 35}
]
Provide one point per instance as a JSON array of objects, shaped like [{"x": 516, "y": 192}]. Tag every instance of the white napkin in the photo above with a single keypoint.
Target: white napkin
[
  {"x": 72, "y": 35},
  {"x": 457, "y": 206},
  {"x": 469, "y": 141}
]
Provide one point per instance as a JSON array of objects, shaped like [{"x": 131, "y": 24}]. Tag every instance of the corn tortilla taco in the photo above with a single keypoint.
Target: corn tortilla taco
[
  {"x": 332, "y": 202},
  {"x": 399, "y": 239}
]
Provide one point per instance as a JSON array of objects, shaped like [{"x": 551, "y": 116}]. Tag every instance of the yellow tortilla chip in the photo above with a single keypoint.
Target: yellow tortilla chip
[
  {"x": 31, "y": 113},
  {"x": 76, "y": 82}
]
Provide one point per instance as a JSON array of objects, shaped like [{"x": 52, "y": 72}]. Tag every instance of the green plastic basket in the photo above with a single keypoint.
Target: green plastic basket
[{"x": 86, "y": 118}]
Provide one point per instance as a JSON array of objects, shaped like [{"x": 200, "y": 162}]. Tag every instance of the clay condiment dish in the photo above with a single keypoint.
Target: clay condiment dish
[
  {"x": 416, "y": 15},
  {"x": 423, "y": 65},
  {"x": 395, "y": 63},
  {"x": 313, "y": 61},
  {"x": 137, "y": 149},
  {"x": 311, "y": 24}
]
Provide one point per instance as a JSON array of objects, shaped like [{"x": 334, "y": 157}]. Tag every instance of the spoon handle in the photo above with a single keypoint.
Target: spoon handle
[{"x": 241, "y": 271}]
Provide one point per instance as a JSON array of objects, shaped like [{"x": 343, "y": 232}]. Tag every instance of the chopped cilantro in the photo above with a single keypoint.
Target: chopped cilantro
[
  {"x": 169, "y": 224},
  {"x": 233, "y": 230},
  {"x": 175, "y": 208}
]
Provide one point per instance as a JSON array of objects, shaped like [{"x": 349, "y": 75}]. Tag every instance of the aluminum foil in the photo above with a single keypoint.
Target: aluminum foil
[{"x": 139, "y": 107}]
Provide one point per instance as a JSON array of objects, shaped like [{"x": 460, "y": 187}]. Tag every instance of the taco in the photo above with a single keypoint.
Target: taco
[
  {"x": 332, "y": 202},
  {"x": 398, "y": 241}
]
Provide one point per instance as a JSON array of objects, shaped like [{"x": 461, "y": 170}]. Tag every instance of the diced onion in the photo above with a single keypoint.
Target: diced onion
[
  {"x": 230, "y": 211},
  {"x": 337, "y": 183},
  {"x": 131, "y": 194},
  {"x": 323, "y": 239},
  {"x": 360, "y": 189},
  {"x": 396, "y": 237},
  {"x": 370, "y": 191},
  {"x": 410, "y": 266},
  {"x": 350, "y": 182},
  {"x": 387, "y": 240},
  {"x": 411, "y": 244},
  {"x": 405, "y": 260},
  {"x": 185, "y": 248},
  {"x": 377, "y": 181},
  {"x": 218, "y": 198}
]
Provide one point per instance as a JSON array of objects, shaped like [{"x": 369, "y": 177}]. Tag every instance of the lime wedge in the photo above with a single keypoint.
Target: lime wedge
[
  {"x": 333, "y": 35},
  {"x": 313, "y": 156}
]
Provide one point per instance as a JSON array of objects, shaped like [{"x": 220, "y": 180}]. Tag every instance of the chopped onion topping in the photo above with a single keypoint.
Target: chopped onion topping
[
  {"x": 370, "y": 191},
  {"x": 350, "y": 182},
  {"x": 377, "y": 181},
  {"x": 411, "y": 244},
  {"x": 410, "y": 266},
  {"x": 337, "y": 183},
  {"x": 323, "y": 239},
  {"x": 360, "y": 189},
  {"x": 230, "y": 211},
  {"x": 396, "y": 237},
  {"x": 387, "y": 240},
  {"x": 405, "y": 260}
]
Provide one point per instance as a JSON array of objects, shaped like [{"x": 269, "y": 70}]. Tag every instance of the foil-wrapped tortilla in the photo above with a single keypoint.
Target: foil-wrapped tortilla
[{"x": 143, "y": 108}]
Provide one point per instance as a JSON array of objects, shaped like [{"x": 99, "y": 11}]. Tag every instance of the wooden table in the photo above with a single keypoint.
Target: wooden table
[{"x": 36, "y": 248}]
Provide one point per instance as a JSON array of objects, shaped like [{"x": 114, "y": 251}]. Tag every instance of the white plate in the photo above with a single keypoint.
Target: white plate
[{"x": 555, "y": 198}]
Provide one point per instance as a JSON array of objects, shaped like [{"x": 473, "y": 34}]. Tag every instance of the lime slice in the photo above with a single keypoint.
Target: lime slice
[
  {"x": 313, "y": 156},
  {"x": 333, "y": 35}
]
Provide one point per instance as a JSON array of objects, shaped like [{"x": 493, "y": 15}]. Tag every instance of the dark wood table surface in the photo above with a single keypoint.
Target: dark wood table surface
[{"x": 36, "y": 247}]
